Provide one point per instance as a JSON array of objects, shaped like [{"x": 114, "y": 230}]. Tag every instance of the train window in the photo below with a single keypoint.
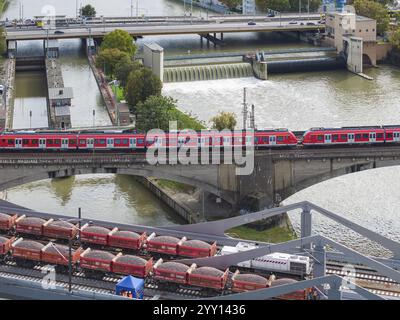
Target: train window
[
  {"x": 343, "y": 137},
  {"x": 280, "y": 138},
  {"x": 140, "y": 141},
  {"x": 57, "y": 141},
  {"x": 335, "y": 137},
  {"x": 72, "y": 142},
  {"x": 320, "y": 138},
  {"x": 124, "y": 141},
  {"x": 265, "y": 139},
  {"x": 82, "y": 141},
  {"x": 25, "y": 141},
  {"x": 390, "y": 135},
  {"x": 365, "y": 136},
  {"x": 50, "y": 141},
  {"x": 10, "y": 141},
  {"x": 102, "y": 141},
  {"x": 117, "y": 141},
  {"x": 35, "y": 141},
  {"x": 358, "y": 136},
  {"x": 379, "y": 135}
]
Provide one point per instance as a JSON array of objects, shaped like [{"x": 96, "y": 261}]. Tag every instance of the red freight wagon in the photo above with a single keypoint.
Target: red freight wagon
[
  {"x": 172, "y": 271},
  {"x": 97, "y": 260},
  {"x": 208, "y": 277},
  {"x": 60, "y": 229},
  {"x": 126, "y": 239},
  {"x": 30, "y": 225},
  {"x": 95, "y": 234},
  {"x": 132, "y": 265},
  {"x": 197, "y": 249},
  {"x": 163, "y": 244},
  {"x": 59, "y": 254},
  {"x": 27, "y": 250},
  {"x": 5, "y": 245},
  {"x": 7, "y": 221},
  {"x": 248, "y": 282}
]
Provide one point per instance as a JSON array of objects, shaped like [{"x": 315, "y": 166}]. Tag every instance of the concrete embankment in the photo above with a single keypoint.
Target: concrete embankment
[
  {"x": 7, "y": 79},
  {"x": 105, "y": 90}
]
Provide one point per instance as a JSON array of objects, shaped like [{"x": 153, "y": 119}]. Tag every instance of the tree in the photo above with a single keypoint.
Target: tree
[
  {"x": 374, "y": 10},
  {"x": 121, "y": 40},
  {"x": 395, "y": 39},
  {"x": 3, "y": 42},
  {"x": 142, "y": 84},
  {"x": 278, "y": 5},
  {"x": 88, "y": 11},
  {"x": 157, "y": 111},
  {"x": 224, "y": 120},
  {"x": 231, "y": 4},
  {"x": 124, "y": 68},
  {"x": 108, "y": 59}
]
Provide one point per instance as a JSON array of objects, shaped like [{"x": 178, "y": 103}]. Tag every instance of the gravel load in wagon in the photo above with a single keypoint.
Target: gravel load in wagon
[
  {"x": 3, "y": 240},
  {"x": 32, "y": 221},
  {"x": 97, "y": 229},
  {"x": 208, "y": 271},
  {"x": 59, "y": 248},
  {"x": 30, "y": 245},
  {"x": 127, "y": 234},
  {"x": 100, "y": 255},
  {"x": 134, "y": 260},
  {"x": 196, "y": 244},
  {"x": 251, "y": 278},
  {"x": 61, "y": 224},
  {"x": 4, "y": 217},
  {"x": 165, "y": 239},
  {"x": 173, "y": 266}
]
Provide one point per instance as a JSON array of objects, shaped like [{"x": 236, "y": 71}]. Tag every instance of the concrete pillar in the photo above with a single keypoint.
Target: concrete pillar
[
  {"x": 154, "y": 59},
  {"x": 355, "y": 54}
]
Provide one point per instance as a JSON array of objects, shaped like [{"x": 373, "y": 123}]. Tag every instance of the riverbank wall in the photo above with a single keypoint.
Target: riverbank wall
[
  {"x": 207, "y": 5},
  {"x": 105, "y": 90},
  {"x": 7, "y": 78}
]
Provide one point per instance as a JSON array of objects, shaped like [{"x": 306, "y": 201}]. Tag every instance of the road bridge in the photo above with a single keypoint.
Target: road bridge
[
  {"x": 277, "y": 174},
  {"x": 163, "y": 29},
  {"x": 314, "y": 246}
]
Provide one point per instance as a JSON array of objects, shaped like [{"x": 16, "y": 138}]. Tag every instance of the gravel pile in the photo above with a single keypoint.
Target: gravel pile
[
  {"x": 4, "y": 217},
  {"x": 208, "y": 271},
  {"x": 58, "y": 248},
  {"x": 133, "y": 260},
  {"x": 97, "y": 229},
  {"x": 32, "y": 221},
  {"x": 252, "y": 278},
  {"x": 166, "y": 239},
  {"x": 196, "y": 244},
  {"x": 126, "y": 234},
  {"x": 31, "y": 245},
  {"x": 61, "y": 224},
  {"x": 3, "y": 240},
  {"x": 173, "y": 266},
  {"x": 97, "y": 254}
]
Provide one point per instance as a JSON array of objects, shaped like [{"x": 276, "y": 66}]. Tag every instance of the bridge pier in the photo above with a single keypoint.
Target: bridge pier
[{"x": 213, "y": 39}]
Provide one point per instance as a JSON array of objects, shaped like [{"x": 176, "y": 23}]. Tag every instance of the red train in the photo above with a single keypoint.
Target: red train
[
  {"x": 105, "y": 237},
  {"x": 105, "y": 140}
]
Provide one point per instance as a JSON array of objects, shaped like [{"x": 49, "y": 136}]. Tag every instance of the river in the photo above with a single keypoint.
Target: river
[{"x": 296, "y": 101}]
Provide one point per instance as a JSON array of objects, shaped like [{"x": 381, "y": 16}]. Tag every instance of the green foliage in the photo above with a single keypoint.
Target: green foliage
[
  {"x": 395, "y": 39},
  {"x": 157, "y": 111},
  {"x": 231, "y": 4},
  {"x": 224, "y": 120},
  {"x": 273, "y": 235},
  {"x": 124, "y": 68},
  {"x": 141, "y": 84},
  {"x": 3, "y": 43},
  {"x": 373, "y": 10},
  {"x": 121, "y": 40},
  {"x": 108, "y": 59},
  {"x": 278, "y": 5},
  {"x": 88, "y": 11}
]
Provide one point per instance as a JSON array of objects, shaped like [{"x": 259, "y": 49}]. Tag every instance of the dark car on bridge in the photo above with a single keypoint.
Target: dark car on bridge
[
  {"x": 58, "y": 32},
  {"x": 251, "y": 23}
]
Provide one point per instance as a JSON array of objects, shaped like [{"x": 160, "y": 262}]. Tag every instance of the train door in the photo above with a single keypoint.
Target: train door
[
  {"x": 64, "y": 143},
  {"x": 18, "y": 143},
  {"x": 328, "y": 138},
  {"x": 396, "y": 136},
  {"x": 350, "y": 137},
  {"x": 372, "y": 137},
  {"x": 90, "y": 143},
  {"x": 110, "y": 143},
  {"x": 42, "y": 143},
  {"x": 272, "y": 140},
  {"x": 132, "y": 143}
]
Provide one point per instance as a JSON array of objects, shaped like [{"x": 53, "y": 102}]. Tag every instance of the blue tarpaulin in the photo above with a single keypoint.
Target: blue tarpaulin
[{"x": 131, "y": 285}]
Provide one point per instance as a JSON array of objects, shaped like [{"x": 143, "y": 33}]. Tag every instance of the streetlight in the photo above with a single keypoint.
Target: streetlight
[
  {"x": 94, "y": 117},
  {"x": 30, "y": 119}
]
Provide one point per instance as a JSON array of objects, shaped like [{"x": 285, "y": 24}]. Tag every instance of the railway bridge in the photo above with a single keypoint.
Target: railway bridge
[{"x": 276, "y": 175}]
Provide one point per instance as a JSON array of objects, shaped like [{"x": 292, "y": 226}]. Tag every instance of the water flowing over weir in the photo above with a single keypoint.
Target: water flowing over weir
[{"x": 208, "y": 72}]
